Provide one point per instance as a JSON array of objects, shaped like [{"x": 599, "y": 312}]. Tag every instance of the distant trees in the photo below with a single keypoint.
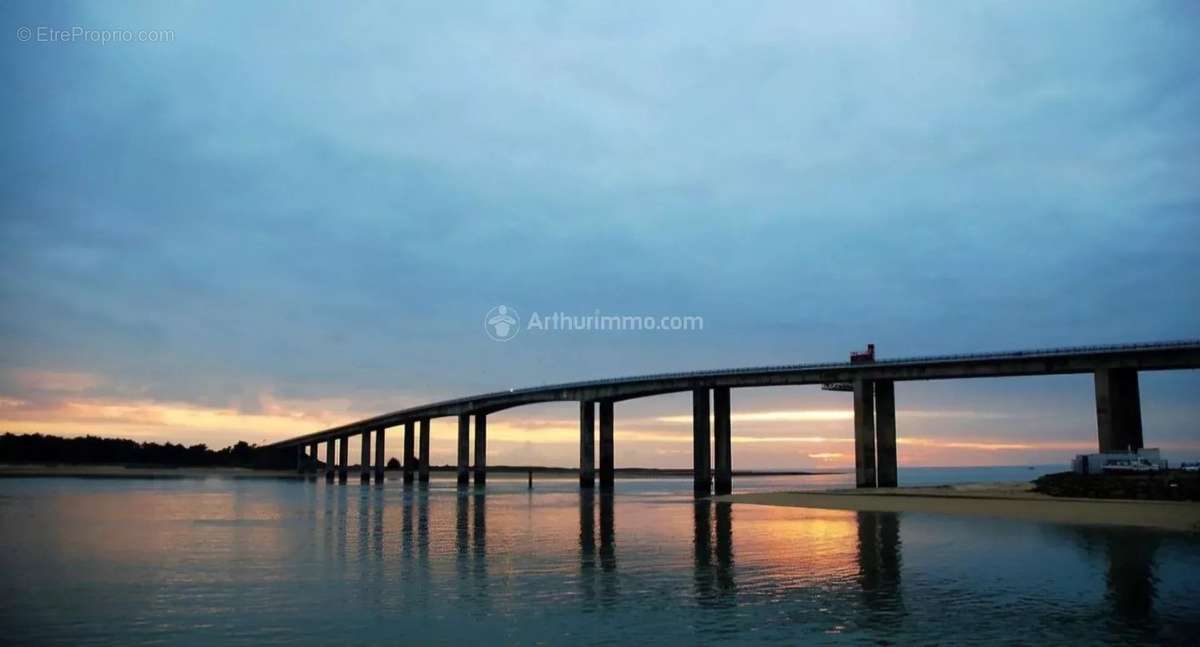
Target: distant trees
[
  {"x": 91, "y": 450},
  {"x": 393, "y": 464}
]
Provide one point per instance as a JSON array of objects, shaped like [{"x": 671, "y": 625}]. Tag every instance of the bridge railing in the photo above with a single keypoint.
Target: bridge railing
[{"x": 782, "y": 368}]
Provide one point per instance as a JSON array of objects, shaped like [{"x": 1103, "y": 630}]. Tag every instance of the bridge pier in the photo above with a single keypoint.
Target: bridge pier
[
  {"x": 701, "y": 443},
  {"x": 480, "y": 449},
  {"x": 343, "y": 459},
  {"x": 329, "y": 463},
  {"x": 423, "y": 467},
  {"x": 300, "y": 459},
  {"x": 875, "y": 433},
  {"x": 607, "y": 468},
  {"x": 315, "y": 455},
  {"x": 364, "y": 462},
  {"x": 1118, "y": 409},
  {"x": 409, "y": 461},
  {"x": 464, "y": 449},
  {"x": 722, "y": 441},
  {"x": 864, "y": 433},
  {"x": 587, "y": 444},
  {"x": 885, "y": 433},
  {"x": 380, "y": 457}
]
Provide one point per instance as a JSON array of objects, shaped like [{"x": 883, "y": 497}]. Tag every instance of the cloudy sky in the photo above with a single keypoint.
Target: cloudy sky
[{"x": 253, "y": 221}]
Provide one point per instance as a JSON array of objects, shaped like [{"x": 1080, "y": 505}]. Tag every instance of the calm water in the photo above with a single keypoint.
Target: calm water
[{"x": 210, "y": 562}]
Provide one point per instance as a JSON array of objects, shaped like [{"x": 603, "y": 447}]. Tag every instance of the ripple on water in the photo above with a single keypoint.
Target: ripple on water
[{"x": 273, "y": 562}]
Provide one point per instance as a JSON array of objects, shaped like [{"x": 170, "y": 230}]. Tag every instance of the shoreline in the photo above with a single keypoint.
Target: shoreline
[{"x": 999, "y": 500}]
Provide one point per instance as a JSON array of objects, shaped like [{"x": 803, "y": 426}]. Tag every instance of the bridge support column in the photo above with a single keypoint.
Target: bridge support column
[
  {"x": 587, "y": 444},
  {"x": 315, "y": 457},
  {"x": 343, "y": 459},
  {"x": 423, "y": 467},
  {"x": 722, "y": 441},
  {"x": 329, "y": 462},
  {"x": 480, "y": 449},
  {"x": 300, "y": 459},
  {"x": 885, "y": 432},
  {"x": 380, "y": 457},
  {"x": 364, "y": 463},
  {"x": 864, "y": 433},
  {"x": 1118, "y": 410},
  {"x": 701, "y": 443},
  {"x": 464, "y": 449},
  {"x": 607, "y": 468},
  {"x": 410, "y": 461}
]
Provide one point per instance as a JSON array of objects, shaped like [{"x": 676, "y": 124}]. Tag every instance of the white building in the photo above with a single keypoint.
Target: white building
[{"x": 1142, "y": 460}]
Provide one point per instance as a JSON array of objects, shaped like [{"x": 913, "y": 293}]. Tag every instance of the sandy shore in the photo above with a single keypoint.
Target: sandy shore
[{"x": 1007, "y": 500}]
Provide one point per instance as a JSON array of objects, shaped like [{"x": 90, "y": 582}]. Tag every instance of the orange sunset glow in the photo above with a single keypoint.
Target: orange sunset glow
[{"x": 66, "y": 404}]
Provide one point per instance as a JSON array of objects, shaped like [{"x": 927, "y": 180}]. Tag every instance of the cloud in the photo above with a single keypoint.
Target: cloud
[
  {"x": 827, "y": 415},
  {"x": 325, "y": 210},
  {"x": 36, "y": 380}
]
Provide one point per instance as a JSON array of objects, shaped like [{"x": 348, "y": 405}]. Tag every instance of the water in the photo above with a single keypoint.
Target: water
[{"x": 228, "y": 562}]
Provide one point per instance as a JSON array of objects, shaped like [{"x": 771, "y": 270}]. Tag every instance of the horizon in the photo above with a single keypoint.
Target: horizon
[{"x": 571, "y": 469}]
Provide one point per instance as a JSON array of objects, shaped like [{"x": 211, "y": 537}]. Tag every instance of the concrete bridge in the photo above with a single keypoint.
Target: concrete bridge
[{"x": 1115, "y": 370}]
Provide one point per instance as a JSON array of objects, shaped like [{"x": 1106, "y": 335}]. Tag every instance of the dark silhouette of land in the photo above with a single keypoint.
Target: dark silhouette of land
[
  {"x": 1165, "y": 485},
  {"x": 39, "y": 449},
  {"x": 46, "y": 450}
]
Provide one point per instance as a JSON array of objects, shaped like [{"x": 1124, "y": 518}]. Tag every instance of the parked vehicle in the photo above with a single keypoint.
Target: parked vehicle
[{"x": 1132, "y": 465}]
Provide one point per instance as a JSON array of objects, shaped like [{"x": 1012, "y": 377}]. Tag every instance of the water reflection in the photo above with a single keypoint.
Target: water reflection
[
  {"x": 607, "y": 554},
  {"x": 562, "y": 567},
  {"x": 793, "y": 557},
  {"x": 713, "y": 556},
  {"x": 587, "y": 544},
  {"x": 408, "y": 534},
  {"x": 702, "y": 549},
  {"x": 608, "y": 551},
  {"x": 479, "y": 540},
  {"x": 1131, "y": 579},
  {"x": 461, "y": 543},
  {"x": 879, "y": 566},
  {"x": 1130, "y": 561},
  {"x": 364, "y": 517},
  {"x": 340, "y": 523},
  {"x": 377, "y": 502},
  {"x": 420, "y": 499}
]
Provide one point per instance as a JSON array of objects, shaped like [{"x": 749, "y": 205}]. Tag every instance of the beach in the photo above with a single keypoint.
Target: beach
[{"x": 1007, "y": 500}]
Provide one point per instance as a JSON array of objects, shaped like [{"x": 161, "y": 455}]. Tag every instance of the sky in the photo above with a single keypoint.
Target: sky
[{"x": 257, "y": 220}]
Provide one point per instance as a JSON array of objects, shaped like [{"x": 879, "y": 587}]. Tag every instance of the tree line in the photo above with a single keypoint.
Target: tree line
[{"x": 94, "y": 450}]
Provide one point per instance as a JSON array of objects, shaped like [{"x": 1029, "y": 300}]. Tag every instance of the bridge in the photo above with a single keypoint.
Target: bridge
[{"x": 1115, "y": 369}]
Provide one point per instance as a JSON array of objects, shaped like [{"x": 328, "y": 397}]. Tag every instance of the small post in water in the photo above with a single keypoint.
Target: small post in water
[{"x": 531, "y": 478}]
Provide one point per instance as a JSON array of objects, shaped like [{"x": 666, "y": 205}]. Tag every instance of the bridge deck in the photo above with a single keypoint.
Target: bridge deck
[{"x": 1183, "y": 354}]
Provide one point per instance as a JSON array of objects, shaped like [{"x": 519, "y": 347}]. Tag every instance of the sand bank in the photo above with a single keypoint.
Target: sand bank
[{"x": 1008, "y": 500}]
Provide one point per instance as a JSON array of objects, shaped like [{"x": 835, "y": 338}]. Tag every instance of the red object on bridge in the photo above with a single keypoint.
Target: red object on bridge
[{"x": 863, "y": 358}]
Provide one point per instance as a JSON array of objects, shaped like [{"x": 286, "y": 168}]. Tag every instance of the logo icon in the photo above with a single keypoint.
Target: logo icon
[{"x": 502, "y": 323}]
